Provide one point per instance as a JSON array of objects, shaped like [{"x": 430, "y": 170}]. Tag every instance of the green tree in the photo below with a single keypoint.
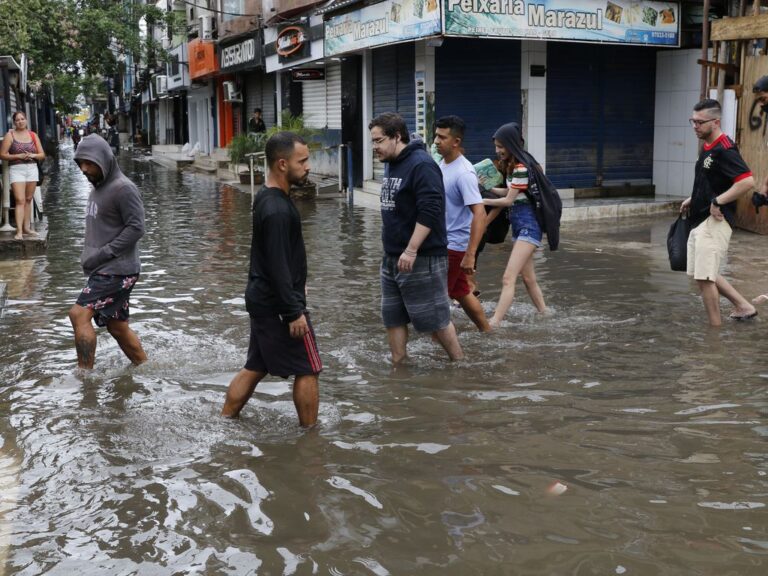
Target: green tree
[{"x": 73, "y": 44}]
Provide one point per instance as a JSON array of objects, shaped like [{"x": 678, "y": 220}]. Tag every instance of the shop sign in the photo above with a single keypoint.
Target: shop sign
[
  {"x": 380, "y": 24},
  {"x": 243, "y": 54},
  {"x": 620, "y": 21},
  {"x": 308, "y": 74},
  {"x": 292, "y": 43},
  {"x": 202, "y": 58}
]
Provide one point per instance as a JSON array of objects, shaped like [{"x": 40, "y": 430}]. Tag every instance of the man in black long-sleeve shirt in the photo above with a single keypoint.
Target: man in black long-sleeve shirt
[{"x": 282, "y": 339}]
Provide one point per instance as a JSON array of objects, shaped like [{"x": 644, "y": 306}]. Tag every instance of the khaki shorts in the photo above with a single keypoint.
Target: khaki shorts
[{"x": 707, "y": 248}]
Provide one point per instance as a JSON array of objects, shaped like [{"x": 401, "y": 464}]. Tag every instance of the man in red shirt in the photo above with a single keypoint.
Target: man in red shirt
[{"x": 721, "y": 178}]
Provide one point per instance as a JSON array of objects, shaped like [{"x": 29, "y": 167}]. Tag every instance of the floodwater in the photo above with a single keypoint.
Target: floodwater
[{"x": 653, "y": 425}]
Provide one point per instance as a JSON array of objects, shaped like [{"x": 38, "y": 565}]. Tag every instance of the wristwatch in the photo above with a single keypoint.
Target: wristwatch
[{"x": 716, "y": 203}]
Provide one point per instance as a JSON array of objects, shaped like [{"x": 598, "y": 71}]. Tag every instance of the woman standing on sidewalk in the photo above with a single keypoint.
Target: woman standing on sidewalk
[
  {"x": 21, "y": 148},
  {"x": 527, "y": 235}
]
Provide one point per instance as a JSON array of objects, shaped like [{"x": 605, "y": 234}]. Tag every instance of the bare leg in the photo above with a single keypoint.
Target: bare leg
[
  {"x": 521, "y": 253},
  {"x": 398, "y": 338},
  {"x": 711, "y": 298},
  {"x": 85, "y": 335},
  {"x": 532, "y": 285},
  {"x": 474, "y": 310},
  {"x": 20, "y": 198},
  {"x": 449, "y": 341},
  {"x": 306, "y": 398},
  {"x": 742, "y": 306},
  {"x": 29, "y": 199},
  {"x": 239, "y": 392},
  {"x": 128, "y": 341}
]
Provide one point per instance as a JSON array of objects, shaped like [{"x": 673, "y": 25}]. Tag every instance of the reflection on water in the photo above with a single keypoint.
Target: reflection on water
[{"x": 654, "y": 423}]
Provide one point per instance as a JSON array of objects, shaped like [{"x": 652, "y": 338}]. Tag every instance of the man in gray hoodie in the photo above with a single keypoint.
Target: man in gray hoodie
[{"x": 114, "y": 223}]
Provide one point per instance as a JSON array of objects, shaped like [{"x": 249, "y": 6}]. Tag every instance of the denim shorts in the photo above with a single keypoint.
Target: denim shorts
[
  {"x": 525, "y": 227},
  {"x": 419, "y": 297}
]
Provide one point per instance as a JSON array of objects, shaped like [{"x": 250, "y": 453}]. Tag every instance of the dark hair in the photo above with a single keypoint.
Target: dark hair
[
  {"x": 391, "y": 124},
  {"x": 455, "y": 124},
  {"x": 708, "y": 104},
  {"x": 257, "y": 110},
  {"x": 281, "y": 145},
  {"x": 16, "y": 114},
  {"x": 761, "y": 85}
]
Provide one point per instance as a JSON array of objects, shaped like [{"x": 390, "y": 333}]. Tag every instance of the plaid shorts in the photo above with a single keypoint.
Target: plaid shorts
[
  {"x": 107, "y": 295},
  {"x": 419, "y": 297}
]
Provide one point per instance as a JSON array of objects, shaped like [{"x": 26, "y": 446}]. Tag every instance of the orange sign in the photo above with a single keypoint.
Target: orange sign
[{"x": 202, "y": 58}]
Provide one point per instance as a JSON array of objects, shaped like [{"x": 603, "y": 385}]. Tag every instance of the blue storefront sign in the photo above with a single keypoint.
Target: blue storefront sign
[
  {"x": 645, "y": 22},
  {"x": 388, "y": 22}
]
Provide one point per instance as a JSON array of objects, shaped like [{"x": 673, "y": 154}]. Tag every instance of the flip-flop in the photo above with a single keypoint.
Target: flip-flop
[{"x": 744, "y": 317}]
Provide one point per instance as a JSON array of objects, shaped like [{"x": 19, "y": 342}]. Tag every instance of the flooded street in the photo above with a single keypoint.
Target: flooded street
[{"x": 655, "y": 423}]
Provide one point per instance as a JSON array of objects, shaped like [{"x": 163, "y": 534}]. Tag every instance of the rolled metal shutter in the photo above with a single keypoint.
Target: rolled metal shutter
[
  {"x": 394, "y": 87},
  {"x": 260, "y": 93},
  {"x": 600, "y": 112},
  {"x": 313, "y": 97},
  {"x": 484, "y": 92},
  {"x": 333, "y": 95}
]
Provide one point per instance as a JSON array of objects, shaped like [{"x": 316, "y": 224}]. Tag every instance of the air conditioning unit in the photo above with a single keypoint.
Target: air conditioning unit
[
  {"x": 206, "y": 27},
  {"x": 161, "y": 85},
  {"x": 230, "y": 92}
]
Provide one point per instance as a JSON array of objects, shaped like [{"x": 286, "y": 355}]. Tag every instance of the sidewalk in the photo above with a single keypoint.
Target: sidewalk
[{"x": 574, "y": 209}]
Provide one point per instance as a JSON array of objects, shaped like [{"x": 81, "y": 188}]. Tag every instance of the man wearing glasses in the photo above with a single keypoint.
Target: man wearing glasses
[
  {"x": 414, "y": 270},
  {"x": 721, "y": 178}
]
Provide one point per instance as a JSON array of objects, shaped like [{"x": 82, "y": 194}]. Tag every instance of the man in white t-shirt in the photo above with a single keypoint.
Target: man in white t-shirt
[{"x": 464, "y": 216}]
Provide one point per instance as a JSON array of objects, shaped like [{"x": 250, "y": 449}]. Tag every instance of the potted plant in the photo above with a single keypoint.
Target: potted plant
[{"x": 238, "y": 148}]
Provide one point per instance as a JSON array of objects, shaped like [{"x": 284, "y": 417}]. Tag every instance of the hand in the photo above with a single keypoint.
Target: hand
[
  {"x": 406, "y": 261},
  {"x": 715, "y": 212},
  {"x": 468, "y": 264},
  {"x": 299, "y": 327},
  {"x": 685, "y": 205},
  {"x": 764, "y": 189}
]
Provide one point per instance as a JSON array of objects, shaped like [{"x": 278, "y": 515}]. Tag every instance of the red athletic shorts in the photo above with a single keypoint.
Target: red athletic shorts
[{"x": 458, "y": 286}]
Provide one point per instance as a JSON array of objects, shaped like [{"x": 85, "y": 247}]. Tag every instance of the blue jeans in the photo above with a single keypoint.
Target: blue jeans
[{"x": 525, "y": 227}]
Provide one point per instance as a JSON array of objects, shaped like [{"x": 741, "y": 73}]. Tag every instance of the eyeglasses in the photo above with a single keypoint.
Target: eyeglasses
[
  {"x": 696, "y": 123},
  {"x": 378, "y": 141}
]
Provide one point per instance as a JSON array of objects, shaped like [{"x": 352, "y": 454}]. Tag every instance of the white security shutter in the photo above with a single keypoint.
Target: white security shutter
[
  {"x": 333, "y": 95},
  {"x": 314, "y": 103}
]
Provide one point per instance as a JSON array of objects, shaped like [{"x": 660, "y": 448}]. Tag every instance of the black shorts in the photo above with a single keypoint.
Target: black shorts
[
  {"x": 108, "y": 296},
  {"x": 272, "y": 350}
]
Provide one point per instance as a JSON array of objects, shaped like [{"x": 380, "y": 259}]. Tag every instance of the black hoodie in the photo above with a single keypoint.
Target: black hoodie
[
  {"x": 542, "y": 193},
  {"x": 412, "y": 192}
]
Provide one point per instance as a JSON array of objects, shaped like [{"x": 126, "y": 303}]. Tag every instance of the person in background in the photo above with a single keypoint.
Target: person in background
[
  {"x": 256, "y": 122},
  {"x": 22, "y": 149}
]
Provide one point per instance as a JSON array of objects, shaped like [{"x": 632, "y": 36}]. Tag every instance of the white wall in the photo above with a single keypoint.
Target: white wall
[
  {"x": 534, "y": 97},
  {"x": 675, "y": 146}
]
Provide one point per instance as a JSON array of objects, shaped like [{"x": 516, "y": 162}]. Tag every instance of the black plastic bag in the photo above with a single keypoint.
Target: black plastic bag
[
  {"x": 677, "y": 243},
  {"x": 40, "y": 173},
  {"x": 496, "y": 231}
]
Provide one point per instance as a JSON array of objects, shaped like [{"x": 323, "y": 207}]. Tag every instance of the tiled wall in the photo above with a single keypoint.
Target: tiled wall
[
  {"x": 535, "y": 52},
  {"x": 675, "y": 146}
]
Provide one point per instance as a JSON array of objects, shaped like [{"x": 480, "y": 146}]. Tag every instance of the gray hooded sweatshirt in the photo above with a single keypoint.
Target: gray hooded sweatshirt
[{"x": 114, "y": 221}]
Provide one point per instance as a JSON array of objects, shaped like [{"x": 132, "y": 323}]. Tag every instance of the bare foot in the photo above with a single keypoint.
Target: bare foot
[
  {"x": 31, "y": 233},
  {"x": 494, "y": 324},
  {"x": 18, "y": 237},
  {"x": 743, "y": 313},
  {"x": 760, "y": 299}
]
